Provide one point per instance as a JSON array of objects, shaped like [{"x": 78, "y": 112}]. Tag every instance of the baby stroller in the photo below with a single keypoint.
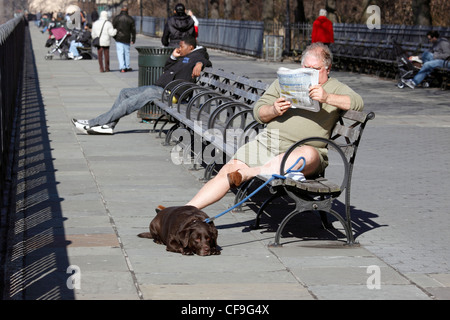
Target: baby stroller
[
  {"x": 59, "y": 42},
  {"x": 408, "y": 66}
]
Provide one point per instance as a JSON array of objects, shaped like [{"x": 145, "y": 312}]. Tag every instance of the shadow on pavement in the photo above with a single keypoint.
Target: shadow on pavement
[{"x": 37, "y": 262}]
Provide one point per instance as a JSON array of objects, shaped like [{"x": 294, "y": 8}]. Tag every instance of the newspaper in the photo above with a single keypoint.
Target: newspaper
[{"x": 295, "y": 85}]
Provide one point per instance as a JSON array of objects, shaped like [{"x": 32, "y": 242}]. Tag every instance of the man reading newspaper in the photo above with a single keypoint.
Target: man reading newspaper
[
  {"x": 285, "y": 126},
  {"x": 295, "y": 86}
]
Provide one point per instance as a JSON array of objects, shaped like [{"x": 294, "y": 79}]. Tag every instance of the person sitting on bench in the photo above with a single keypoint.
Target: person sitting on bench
[
  {"x": 186, "y": 62},
  {"x": 83, "y": 40},
  {"x": 432, "y": 59},
  {"x": 285, "y": 126}
]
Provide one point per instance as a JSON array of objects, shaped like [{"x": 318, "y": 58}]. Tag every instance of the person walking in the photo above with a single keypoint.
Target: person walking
[
  {"x": 126, "y": 35},
  {"x": 177, "y": 27},
  {"x": 103, "y": 29},
  {"x": 322, "y": 30},
  {"x": 191, "y": 14},
  {"x": 94, "y": 15}
]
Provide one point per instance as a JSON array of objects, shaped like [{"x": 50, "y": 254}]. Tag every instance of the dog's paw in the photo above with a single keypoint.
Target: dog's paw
[{"x": 147, "y": 235}]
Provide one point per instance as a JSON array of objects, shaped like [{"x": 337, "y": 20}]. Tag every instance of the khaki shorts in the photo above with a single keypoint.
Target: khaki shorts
[{"x": 261, "y": 150}]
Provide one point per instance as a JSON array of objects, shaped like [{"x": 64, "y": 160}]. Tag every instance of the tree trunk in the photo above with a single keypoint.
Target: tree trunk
[
  {"x": 331, "y": 10},
  {"x": 267, "y": 11},
  {"x": 421, "y": 12},
  {"x": 300, "y": 12},
  {"x": 228, "y": 9}
]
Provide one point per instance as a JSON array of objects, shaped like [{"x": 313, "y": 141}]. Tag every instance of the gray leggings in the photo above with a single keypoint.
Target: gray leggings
[{"x": 128, "y": 101}]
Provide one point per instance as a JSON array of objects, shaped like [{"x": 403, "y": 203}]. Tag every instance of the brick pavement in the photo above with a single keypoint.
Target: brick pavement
[{"x": 91, "y": 200}]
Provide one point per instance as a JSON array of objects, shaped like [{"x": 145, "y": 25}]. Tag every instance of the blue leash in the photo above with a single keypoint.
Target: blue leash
[{"x": 274, "y": 176}]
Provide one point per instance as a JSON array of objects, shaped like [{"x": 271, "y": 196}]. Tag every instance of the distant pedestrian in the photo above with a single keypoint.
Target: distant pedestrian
[
  {"x": 177, "y": 27},
  {"x": 126, "y": 35},
  {"x": 94, "y": 15},
  {"x": 190, "y": 13},
  {"x": 322, "y": 29},
  {"x": 103, "y": 29}
]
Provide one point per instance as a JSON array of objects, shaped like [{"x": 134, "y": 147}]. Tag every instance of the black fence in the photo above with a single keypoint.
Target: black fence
[
  {"x": 12, "y": 39},
  {"x": 244, "y": 37},
  {"x": 248, "y": 37},
  {"x": 387, "y": 33}
]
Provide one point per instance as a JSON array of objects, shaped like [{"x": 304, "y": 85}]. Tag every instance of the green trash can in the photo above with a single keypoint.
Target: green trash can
[{"x": 151, "y": 61}]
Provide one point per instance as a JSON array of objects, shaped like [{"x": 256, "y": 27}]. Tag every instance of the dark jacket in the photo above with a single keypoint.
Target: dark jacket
[
  {"x": 85, "y": 38},
  {"x": 182, "y": 67},
  {"x": 126, "y": 28},
  {"x": 441, "y": 49},
  {"x": 176, "y": 28}
]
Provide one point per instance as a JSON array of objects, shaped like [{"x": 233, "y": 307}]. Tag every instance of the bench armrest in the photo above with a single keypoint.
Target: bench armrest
[{"x": 334, "y": 145}]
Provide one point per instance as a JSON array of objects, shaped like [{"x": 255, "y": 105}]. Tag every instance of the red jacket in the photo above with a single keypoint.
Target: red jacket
[{"x": 322, "y": 30}]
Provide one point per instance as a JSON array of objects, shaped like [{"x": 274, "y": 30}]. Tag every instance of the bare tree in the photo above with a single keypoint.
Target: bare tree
[
  {"x": 228, "y": 10},
  {"x": 300, "y": 12},
  {"x": 267, "y": 11},
  {"x": 331, "y": 9},
  {"x": 421, "y": 12}
]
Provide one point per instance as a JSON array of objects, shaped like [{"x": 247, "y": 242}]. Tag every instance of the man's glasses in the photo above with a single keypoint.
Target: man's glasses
[{"x": 315, "y": 68}]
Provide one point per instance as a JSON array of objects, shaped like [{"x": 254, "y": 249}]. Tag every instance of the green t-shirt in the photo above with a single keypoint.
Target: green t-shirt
[{"x": 297, "y": 124}]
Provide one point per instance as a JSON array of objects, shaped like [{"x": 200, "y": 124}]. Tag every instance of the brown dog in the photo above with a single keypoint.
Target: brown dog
[{"x": 182, "y": 229}]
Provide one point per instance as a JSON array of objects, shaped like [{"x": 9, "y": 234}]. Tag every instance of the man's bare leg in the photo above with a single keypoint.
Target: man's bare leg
[{"x": 216, "y": 188}]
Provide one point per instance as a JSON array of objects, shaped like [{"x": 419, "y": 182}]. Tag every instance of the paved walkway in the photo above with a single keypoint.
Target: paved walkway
[{"x": 82, "y": 199}]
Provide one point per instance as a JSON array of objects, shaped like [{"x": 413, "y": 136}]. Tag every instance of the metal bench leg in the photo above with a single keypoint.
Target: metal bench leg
[
  {"x": 347, "y": 227},
  {"x": 256, "y": 225},
  {"x": 162, "y": 129},
  {"x": 157, "y": 121},
  {"x": 169, "y": 134},
  {"x": 283, "y": 223},
  {"x": 242, "y": 193},
  {"x": 322, "y": 206},
  {"x": 209, "y": 171}
]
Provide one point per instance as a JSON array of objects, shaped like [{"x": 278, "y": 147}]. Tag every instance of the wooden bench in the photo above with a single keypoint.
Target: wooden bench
[
  {"x": 443, "y": 74},
  {"x": 86, "y": 52},
  {"x": 218, "y": 115},
  {"x": 364, "y": 56},
  {"x": 217, "y": 110},
  {"x": 380, "y": 57},
  {"x": 318, "y": 194}
]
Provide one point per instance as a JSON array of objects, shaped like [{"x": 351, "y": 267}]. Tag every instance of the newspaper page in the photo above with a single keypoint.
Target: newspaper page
[{"x": 295, "y": 85}]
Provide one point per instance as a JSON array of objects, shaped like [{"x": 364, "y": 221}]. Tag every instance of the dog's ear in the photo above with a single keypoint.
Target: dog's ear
[
  {"x": 185, "y": 230},
  {"x": 159, "y": 208},
  {"x": 213, "y": 232},
  {"x": 184, "y": 236}
]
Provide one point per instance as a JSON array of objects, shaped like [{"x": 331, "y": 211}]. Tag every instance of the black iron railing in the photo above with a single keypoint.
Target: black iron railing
[{"x": 12, "y": 39}]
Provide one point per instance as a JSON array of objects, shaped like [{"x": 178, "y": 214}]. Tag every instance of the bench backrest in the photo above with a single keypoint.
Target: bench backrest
[
  {"x": 347, "y": 134},
  {"x": 239, "y": 88}
]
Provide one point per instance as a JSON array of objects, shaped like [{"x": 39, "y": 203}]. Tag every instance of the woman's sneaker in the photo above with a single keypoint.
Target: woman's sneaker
[
  {"x": 81, "y": 125},
  {"x": 104, "y": 129}
]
